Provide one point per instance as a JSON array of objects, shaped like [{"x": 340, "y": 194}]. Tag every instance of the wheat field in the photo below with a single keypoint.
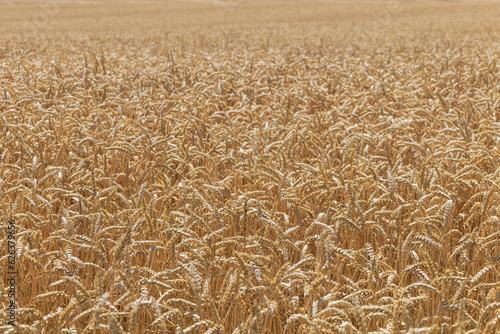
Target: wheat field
[{"x": 250, "y": 167}]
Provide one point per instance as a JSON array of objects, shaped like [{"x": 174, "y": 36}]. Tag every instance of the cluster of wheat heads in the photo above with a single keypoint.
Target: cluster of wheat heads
[{"x": 226, "y": 189}]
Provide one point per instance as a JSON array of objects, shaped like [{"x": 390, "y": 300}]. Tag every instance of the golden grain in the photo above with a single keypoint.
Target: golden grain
[{"x": 251, "y": 167}]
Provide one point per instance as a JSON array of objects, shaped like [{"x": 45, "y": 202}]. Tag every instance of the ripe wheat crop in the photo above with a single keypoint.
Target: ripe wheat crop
[{"x": 251, "y": 167}]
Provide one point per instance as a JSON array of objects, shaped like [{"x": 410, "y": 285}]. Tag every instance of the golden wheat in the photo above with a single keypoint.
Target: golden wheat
[{"x": 250, "y": 167}]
